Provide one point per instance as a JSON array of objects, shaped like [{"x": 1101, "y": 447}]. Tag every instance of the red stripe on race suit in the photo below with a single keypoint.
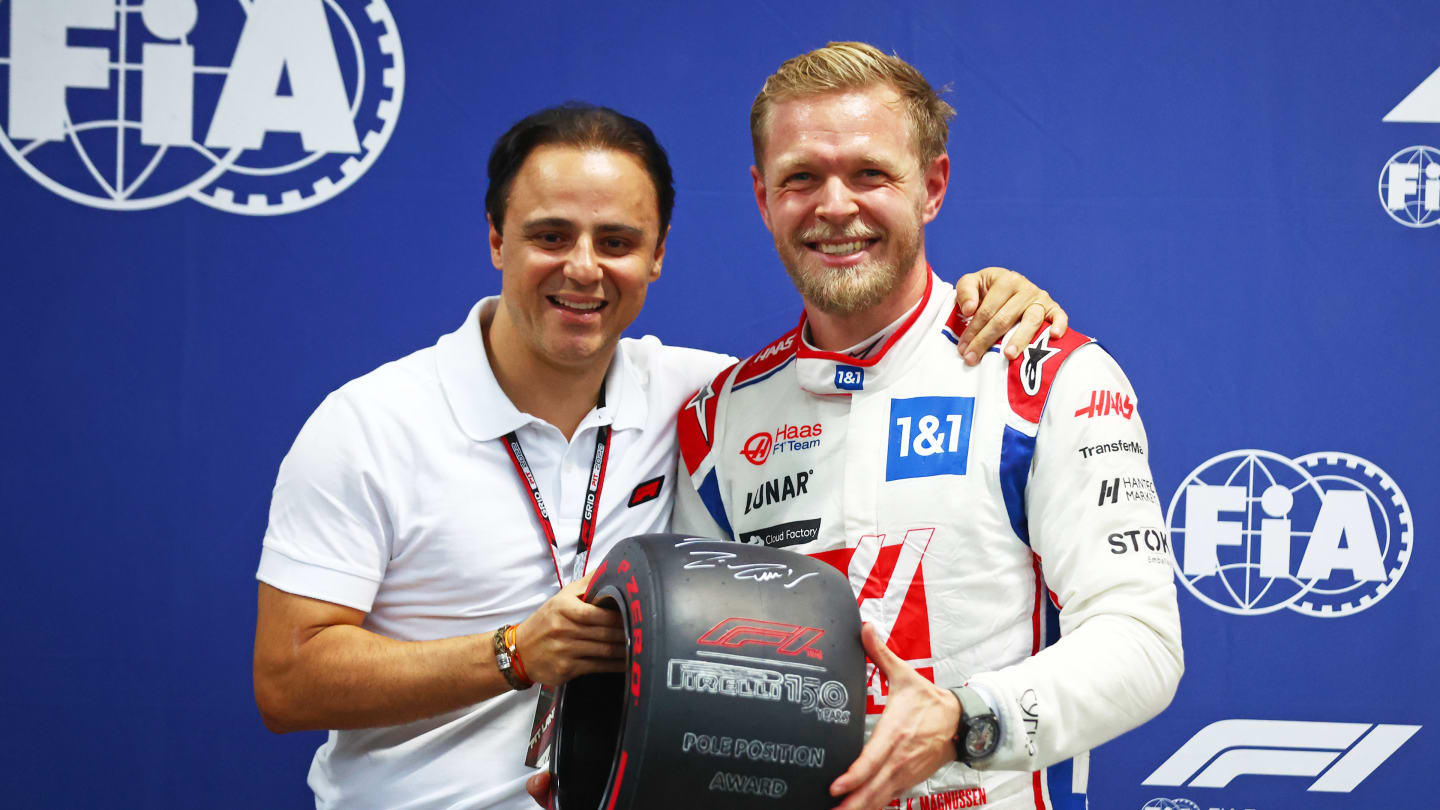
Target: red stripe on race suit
[{"x": 696, "y": 436}]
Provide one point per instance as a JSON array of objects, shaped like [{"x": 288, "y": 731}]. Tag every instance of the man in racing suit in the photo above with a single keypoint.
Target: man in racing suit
[{"x": 997, "y": 523}]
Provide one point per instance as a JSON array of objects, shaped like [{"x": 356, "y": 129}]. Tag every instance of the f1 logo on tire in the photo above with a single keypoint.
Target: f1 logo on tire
[
  {"x": 1282, "y": 748},
  {"x": 787, "y": 639}
]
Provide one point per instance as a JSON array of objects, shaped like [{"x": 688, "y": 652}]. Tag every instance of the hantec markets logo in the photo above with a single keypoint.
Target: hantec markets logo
[
  {"x": 1410, "y": 179},
  {"x": 249, "y": 106},
  {"x": 1325, "y": 534}
]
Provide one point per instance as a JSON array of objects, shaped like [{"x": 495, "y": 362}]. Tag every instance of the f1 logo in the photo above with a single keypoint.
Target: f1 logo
[
  {"x": 787, "y": 639},
  {"x": 1282, "y": 748}
]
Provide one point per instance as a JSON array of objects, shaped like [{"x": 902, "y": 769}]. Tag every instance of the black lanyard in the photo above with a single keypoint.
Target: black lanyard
[{"x": 592, "y": 496}]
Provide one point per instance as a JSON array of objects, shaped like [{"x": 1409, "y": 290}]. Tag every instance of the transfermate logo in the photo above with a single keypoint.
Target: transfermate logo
[
  {"x": 253, "y": 106},
  {"x": 1341, "y": 754},
  {"x": 1325, "y": 534},
  {"x": 1410, "y": 179}
]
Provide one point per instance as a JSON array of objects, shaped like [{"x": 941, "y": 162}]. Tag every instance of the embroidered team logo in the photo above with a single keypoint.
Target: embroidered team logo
[{"x": 201, "y": 101}]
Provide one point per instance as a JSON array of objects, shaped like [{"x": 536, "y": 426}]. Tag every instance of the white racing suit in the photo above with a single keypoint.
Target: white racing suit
[{"x": 997, "y": 523}]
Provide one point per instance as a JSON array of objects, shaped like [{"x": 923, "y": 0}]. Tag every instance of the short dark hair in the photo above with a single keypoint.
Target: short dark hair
[{"x": 584, "y": 126}]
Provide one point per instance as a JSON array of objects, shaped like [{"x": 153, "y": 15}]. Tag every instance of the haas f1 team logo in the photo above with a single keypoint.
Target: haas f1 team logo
[
  {"x": 249, "y": 106},
  {"x": 1325, "y": 534}
]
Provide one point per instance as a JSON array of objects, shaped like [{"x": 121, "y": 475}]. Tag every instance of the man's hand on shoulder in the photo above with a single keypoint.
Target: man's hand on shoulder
[
  {"x": 995, "y": 299},
  {"x": 912, "y": 739},
  {"x": 568, "y": 637}
]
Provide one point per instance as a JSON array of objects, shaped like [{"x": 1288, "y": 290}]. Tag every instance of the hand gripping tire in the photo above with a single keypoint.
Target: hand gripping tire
[{"x": 745, "y": 682}]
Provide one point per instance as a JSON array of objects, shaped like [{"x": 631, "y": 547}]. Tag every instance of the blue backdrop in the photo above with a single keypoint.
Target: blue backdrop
[{"x": 1212, "y": 189}]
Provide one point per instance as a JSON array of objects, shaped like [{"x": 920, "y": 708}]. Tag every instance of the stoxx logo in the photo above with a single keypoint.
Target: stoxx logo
[
  {"x": 1237, "y": 521},
  {"x": 1224, "y": 750}
]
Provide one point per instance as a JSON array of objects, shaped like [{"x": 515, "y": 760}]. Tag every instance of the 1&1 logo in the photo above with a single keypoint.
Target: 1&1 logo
[
  {"x": 249, "y": 106},
  {"x": 1238, "y": 521}
]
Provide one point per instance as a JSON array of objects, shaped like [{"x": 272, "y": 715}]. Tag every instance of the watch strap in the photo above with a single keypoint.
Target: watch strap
[{"x": 973, "y": 707}]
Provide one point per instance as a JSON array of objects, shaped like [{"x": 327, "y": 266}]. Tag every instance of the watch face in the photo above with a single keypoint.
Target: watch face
[{"x": 981, "y": 737}]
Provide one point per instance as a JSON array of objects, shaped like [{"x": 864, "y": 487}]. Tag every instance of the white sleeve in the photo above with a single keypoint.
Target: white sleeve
[
  {"x": 1095, "y": 523},
  {"x": 330, "y": 532}
]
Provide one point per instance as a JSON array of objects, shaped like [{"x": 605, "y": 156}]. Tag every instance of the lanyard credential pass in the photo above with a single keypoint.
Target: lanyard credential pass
[
  {"x": 588, "y": 515},
  {"x": 543, "y": 728}
]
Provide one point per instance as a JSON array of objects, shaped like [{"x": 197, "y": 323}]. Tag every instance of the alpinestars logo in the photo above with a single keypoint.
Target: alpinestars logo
[
  {"x": 1034, "y": 368},
  {"x": 1341, "y": 754},
  {"x": 1410, "y": 180},
  {"x": 250, "y": 106},
  {"x": 1239, "y": 520}
]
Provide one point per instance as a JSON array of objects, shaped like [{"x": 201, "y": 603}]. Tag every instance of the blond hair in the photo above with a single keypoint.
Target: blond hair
[{"x": 851, "y": 66}]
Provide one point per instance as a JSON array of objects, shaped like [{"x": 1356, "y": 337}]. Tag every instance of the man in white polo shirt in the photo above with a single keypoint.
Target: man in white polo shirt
[{"x": 433, "y": 524}]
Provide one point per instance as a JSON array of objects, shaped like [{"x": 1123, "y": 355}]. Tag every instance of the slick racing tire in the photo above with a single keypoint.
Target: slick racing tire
[{"x": 744, "y": 682}]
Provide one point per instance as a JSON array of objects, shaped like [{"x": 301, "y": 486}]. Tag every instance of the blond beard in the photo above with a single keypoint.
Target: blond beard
[{"x": 848, "y": 290}]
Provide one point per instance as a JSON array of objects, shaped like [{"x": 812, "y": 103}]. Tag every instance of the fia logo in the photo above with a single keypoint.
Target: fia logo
[
  {"x": 252, "y": 107},
  {"x": 1410, "y": 179},
  {"x": 1237, "y": 520},
  {"x": 929, "y": 436}
]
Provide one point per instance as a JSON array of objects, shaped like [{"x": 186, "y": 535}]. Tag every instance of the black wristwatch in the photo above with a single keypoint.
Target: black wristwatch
[{"x": 978, "y": 734}]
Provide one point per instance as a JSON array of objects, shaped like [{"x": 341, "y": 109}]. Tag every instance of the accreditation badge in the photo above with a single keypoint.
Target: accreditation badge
[{"x": 542, "y": 731}]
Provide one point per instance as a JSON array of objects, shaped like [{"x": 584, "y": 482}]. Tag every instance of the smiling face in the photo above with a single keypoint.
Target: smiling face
[
  {"x": 581, "y": 243},
  {"x": 845, "y": 196}
]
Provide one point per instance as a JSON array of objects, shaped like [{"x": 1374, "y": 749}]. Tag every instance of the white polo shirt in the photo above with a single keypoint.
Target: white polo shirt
[{"x": 398, "y": 498}]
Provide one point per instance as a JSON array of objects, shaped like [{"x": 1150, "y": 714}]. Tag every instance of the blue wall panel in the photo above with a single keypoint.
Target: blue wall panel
[{"x": 1197, "y": 183}]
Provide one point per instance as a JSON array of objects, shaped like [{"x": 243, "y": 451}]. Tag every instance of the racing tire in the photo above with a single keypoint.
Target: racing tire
[{"x": 744, "y": 682}]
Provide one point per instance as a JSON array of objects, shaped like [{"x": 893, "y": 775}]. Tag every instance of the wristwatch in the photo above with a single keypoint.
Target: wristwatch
[{"x": 978, "y": 734}]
